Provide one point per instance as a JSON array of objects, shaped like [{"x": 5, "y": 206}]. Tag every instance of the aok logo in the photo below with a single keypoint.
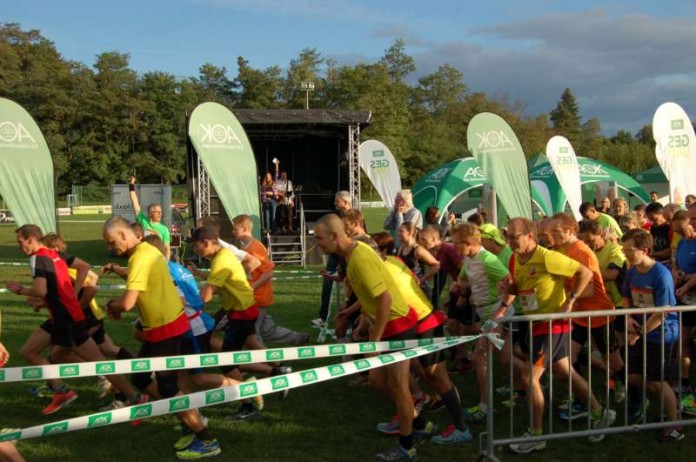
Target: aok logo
[
  {"x": 367, "y": 347},
  {"x": 32, "y": 373},
  {"x": 99, "y": 420},
  {"x": 178, "y": 404},
  {"x": 106, "y": 368},
  {"x": 337, "y": 350},
  {"x": 54, "y": 429},
  {"x": 139, "y": 412},
  {"x": 336, "y": 370},
  {"x": 69, "y": 371},
  {"x": 209, "y": 360},
  {"x": 2, "y": 376},
  {"x": 677, "y": 124},
  {"x": 306, "y": 352},
  {"x": 473, "y": 173},
  {"x": 543, "y": 172},
  {"x": 592, "y": 170},
  {"x": 248, "y": 389},
  {"x": 309, "y": 376},
  {"x": 386, "y": 359},
  {"x": 494, "y": 139},
  {"x": 274, "y": 355},
  {"x": 214, "y": 396},
  {"x": 279, "y": 383},
  {"x": 362, "y": 364},
  {"x": 219, "y": 134},
  {"x": 173, "y": 363},
  {"x": 241, "y": 358},
  {"x": 15, "y": 133},
  {"x": 140, "y": 365}
]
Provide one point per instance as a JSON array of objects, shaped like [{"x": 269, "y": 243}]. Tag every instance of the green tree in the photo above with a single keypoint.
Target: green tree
[
  {"x": 304, "y": 70},
  {"x": 399, "y": 65},
  {"x": 566, "y": 119},
  {"x": 257, "y": 89}
]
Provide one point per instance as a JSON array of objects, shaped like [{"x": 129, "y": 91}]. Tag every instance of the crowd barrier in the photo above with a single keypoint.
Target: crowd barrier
[{"x": 499, "y": 433}]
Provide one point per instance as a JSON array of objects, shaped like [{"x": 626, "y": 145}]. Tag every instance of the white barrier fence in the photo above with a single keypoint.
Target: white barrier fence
[{"x": 600, "y": 387}]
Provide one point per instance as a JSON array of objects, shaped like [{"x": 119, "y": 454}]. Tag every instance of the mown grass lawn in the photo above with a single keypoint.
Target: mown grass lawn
[{"x": 325, "y": 422}]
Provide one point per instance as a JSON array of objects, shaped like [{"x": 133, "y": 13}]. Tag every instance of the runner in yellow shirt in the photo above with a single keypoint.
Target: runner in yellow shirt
[{"x": 393, "y": 319}]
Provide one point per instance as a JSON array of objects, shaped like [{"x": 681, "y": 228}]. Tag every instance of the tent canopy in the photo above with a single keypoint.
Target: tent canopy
[
  {"x": 591, "y": 171},
  {"x": 442, "y": 186},
  {"x": 651, "y": 175}
]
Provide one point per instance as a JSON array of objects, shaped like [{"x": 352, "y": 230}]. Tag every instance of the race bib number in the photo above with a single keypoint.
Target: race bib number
[
  {"x": 642, "y": 298},
  {"x": 528, "y": 300}
]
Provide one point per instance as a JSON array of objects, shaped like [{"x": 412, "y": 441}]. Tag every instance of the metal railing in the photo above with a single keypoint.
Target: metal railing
[{"x": 489, "y": 439}]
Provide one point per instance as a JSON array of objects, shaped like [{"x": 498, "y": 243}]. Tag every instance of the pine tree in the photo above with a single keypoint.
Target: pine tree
[{"x": 566, "y": 120}]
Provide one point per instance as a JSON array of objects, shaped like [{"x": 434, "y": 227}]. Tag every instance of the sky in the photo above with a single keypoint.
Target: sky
[{"x": 621, "y": 59}]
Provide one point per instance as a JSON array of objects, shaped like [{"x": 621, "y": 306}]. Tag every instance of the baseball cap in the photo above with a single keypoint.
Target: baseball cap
[{"x": 489, "y": 231}]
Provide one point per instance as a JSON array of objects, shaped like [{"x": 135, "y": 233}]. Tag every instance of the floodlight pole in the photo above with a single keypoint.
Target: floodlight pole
[{"x": 307, "y": 86}]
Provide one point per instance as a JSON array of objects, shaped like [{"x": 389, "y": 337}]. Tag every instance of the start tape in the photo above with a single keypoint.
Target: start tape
[
  {"x": 138, "y": 365},
  {"x": 233, "y": 393}
]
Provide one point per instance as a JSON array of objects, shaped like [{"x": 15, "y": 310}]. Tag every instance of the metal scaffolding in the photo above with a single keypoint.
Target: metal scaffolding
[{"x": 354, "y": 163}]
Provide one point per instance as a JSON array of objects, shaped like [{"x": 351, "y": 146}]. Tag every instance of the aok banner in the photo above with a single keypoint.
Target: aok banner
[
  {"x": 565, "y": 166},
  {"x": 26, "y": 168},
  {"x": 381, "y": 168},
  {"x": 226, "y": 153}
]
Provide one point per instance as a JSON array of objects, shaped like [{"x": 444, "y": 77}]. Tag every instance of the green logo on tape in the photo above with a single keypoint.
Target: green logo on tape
[
  {"x": 396, "y": 344},
  {"x": 2, "y": 375},
  {"x": 336, "y": 370},
  {"x": 274, "y": 355},
  {"x": 54, "y": 429},
  {"x": 10, "y": 436},
  {"x": 214, "y": 396},
  {"x": 386, "y": 359},
  {"x": 431, "y": 348},
  {"x": 243, "y": 357},
  {"x": 279, "y": 383},
  {"x": 425, "y": 341},
  {"x": 32, "y": 373},
  {"x": 175, "y": 363},
  {"x": 248, "y": 389},
  {"x": 99, "y": 419},
  {"x": 409, "y": 353},
  {"x": 362, "y": 364},
  {"x": 367, "y": 347},
  {"x": 139, "y": 412},
  {"x": 71, "y": 370},
  {"x": 178, "y": 404},
  {"x": 106, "y": 368},
  {"x": 308, "y": 376},
  {"x": 337, "y": 350},
  {"x": 307, "y": 352},
  {"x": 210, "y": 360},
  {"x": 140, "y": 365}
]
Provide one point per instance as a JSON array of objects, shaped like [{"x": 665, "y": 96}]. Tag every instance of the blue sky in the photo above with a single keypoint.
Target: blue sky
[{"x": 622, "y": 59}]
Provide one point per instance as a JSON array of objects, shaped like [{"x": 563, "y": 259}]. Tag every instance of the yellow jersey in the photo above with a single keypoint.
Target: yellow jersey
[{"x": 236, "y": 295}]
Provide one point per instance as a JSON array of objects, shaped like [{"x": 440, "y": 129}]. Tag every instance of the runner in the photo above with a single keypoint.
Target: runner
[
  {"x": 164, "y": 321},
  {"x": 537, "y": 277},
  {"x": 152, "y": 222},
  {"x": 393, "y": 319},
  {"x": 68, "y": 328}
]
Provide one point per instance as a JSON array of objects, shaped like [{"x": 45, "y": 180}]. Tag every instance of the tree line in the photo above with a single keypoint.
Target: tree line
[{"x": 106, "y": 121}]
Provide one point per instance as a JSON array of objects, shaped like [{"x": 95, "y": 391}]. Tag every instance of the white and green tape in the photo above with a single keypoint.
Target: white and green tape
[
  {"x": 137, "y": 365},
  {"x": 241, "y": 391}
]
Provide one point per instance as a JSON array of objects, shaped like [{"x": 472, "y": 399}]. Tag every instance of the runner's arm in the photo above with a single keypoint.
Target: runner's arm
[
  {"x": 384, "y": 302},
  {"x": 133, "y": 196},
  {"x": 207, "y": 292},
  {"x": 265, "y": 277}
]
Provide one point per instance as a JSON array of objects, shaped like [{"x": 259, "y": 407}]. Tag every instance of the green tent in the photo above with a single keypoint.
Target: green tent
[
  {"x": 651, "y": 176},
  {"x": 591, "y": 171},
  {"x": 442, "y": 186}
]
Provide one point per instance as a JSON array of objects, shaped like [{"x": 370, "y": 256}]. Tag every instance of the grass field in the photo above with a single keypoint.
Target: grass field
[{"x": 324, "y": 422}]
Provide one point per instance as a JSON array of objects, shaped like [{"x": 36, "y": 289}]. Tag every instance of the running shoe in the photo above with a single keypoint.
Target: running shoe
[
  {"x": 577, "y": 411},
  {"x": 103, "y": 387},
  {"x": 607, "y": 420},
  {"x": 474, "y": 414},
  {"x": 389, "y": 428},
  {"x": 436, "y": 404},
  {"x": 503, "y": 391},
  {"x": 420, "y": 403},
  {"x": 636, "y": 412},
  {"x": 200, "y": 449},
  {"x": 419, "y": 436},
  {"x": 688, "y": 405},
  {"x": 566, "y": 404},
  {"x": 619, "y": 391},
  {"x": 516, "y": 400},
  {"x": 185, "y": 440},
  {"x": 113, "y": 405},
  {"x": 453, "y": 435},
  {"x": 59, "y": 401},
  {"x": 302, "y": 339},
  {"x": 671, "y": 434},
  {"x": 42, "y": 391},
  {"x": 528, "y": 446},
  {"x": 245, "y": 414},
  {"x": 397, "y": 453}
]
